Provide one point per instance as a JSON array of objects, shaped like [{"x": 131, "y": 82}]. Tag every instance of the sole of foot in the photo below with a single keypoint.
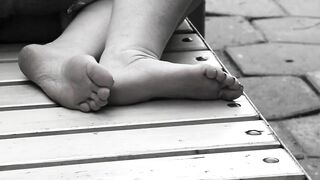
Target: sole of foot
[
  {"x": 73, "y": 81},
  {"x": 146, "y": 79}
]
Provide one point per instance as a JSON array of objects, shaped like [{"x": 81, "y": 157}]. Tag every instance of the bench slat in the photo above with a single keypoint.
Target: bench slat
[
  {"x": 192, "y": 57},
  {"x": 232, "y": 165},
  {"x": 11, "y": 74},
  {"x": 9, "y": 52},
  {"x": 184, "y": 27},
  {"x": 176, "y": 43},
  {"x": 23, "y": 96},
  {"x": 134, "y": 143},
  {"x": 166, "y": 112}
]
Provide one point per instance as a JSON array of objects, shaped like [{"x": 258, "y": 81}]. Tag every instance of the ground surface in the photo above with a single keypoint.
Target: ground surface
[{"x": 274, "y": 47}]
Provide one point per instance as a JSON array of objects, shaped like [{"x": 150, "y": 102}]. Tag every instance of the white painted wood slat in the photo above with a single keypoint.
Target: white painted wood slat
[
  {"x": 231, "y": 165},
  {"x": 34, "y": 121},
  {"x": 184, "y": 27},
  {"x": 185, "y": 42},
  {"x": 192, "y": 57},
  {"x": 134, "y": 143},
  {"x": 11, "y": 74},
  {"x": 23, "y": 96},
  {"x": 9, "y": 52}
]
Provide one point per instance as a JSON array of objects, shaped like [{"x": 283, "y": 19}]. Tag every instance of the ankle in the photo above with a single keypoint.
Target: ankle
[
  {"x": 67, "y": 48},
  {"x": 126, "y": 56}
]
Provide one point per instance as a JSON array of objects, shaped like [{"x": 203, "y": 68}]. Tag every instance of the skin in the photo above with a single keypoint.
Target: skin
[{"x": 129, "y": 69}]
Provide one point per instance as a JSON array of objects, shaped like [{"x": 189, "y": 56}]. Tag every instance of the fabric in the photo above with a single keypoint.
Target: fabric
[{"x": 33, "y": 7}]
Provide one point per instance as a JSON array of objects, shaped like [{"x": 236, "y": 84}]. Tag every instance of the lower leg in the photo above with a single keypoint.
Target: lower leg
[
  {"x": 66, "y": 68},
  {"x": 133, "y": 49}
]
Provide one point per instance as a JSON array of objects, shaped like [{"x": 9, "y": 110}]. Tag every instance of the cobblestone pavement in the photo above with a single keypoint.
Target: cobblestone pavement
[{"x": 273, "y": 46}]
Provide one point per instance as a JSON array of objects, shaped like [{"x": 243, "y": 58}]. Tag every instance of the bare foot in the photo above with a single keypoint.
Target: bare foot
[
  {"x": 146, "y": 78},
  {"x": 76, "y": 82}
]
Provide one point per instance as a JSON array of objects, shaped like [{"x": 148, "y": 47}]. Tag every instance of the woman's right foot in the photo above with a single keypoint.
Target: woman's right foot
[{"x": 74, "y": 81}]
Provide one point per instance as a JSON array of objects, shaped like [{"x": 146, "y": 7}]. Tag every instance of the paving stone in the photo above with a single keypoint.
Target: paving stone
[
  {"x": 314, "y": 79},
  {"x": 281, "y": 97},
  {"x": 248, "y": 8},
  {"x": 309, "y": 8},
  {"x": 312, "y": 166},
  {"x": 306, "y": 130},
  {"x": 230, "y": 31},
  {"x": 288, "y": 139},
  {"x": 276, "y": 58},
  {"x": 291, "y": 29}
]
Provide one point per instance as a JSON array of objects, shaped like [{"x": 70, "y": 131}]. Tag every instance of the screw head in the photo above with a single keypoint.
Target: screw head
[
  {"x": 271, "y": 160},
  {"x": 254, "y": 132},
  {"x": 202, "y": 58},
  {"x": 232, "y": 105},
  {"x": 187, "y": 39}
]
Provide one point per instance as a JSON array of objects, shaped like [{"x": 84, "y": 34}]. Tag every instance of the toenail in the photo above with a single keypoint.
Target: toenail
[
  {"x": 225, "y": 75},
  {"x": 234, "y": 79}
]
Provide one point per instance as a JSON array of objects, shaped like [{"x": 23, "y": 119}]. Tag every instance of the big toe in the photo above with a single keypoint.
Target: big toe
[{"x": 98, "y": 74}]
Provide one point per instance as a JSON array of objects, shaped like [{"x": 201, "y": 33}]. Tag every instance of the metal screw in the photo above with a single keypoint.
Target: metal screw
[
  {"x": 254, "y": 132},
  {"x": 187, "y": 39},
  {"x": 234, "y": 105},
  {"x": 289, "y": 61},
  {"x": 202, "y": 58},
  {"x": 271, "y": 160}
]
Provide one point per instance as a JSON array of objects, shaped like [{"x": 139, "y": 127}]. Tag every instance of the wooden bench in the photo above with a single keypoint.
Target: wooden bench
[{"x": 161, "y": 139}]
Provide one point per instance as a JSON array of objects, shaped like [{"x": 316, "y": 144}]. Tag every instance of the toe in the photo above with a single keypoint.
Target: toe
[
  {"x": 84, "y": 107},
  {"x": 211, "y": 72},
  {"x": 99, "y": 75},
  {"x": 231, "y": 82},
  {"x": 103, "y": 94},
  {"x": 228, "y": 94},
  {"x": 97, "y": 100},
  {"x": 93, "y": 105},
  {"x": 221, "y": 76}
]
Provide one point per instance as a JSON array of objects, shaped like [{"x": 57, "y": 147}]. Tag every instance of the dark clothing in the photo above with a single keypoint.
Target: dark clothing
[
  {"x": 33, "y": 7},
  {"x": 34, "y": 21}
]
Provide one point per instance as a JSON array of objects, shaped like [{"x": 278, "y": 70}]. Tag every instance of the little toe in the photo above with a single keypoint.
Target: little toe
[
  {"x": 93, "y": 105},
  {"x": 228, "y": 94},
  {"x": 97, "y": 100},
  {"x": 103, "y": 94},
  {"x": 84, "y": 107},
  {"x": 98, "y": 74}
]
